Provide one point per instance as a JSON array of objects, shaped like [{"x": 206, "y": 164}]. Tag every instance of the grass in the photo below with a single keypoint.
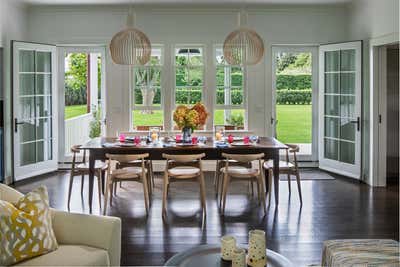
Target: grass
[
  {"x": 294, "y": 121},
  {"x": 74, "y": 111}
]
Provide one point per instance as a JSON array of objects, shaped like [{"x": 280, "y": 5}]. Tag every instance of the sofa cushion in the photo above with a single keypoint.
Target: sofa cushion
[
  {"x": 71, "y": 255},
  {"x": 26, "y": 229}
]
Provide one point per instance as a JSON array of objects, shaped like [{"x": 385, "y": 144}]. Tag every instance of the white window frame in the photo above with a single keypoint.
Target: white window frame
[
  {"x": 132, "y": 85},
  {"x": 204, "y": 87},
  {"x": 244, "y": 105}
]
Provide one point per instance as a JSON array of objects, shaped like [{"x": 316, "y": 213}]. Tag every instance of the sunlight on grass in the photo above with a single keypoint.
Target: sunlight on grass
[
  {"x": 294, "y": 123},
  {"x": 74, "y": 111}
]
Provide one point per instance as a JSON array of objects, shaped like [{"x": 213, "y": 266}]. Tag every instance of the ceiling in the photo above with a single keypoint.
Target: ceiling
[{"x": 196, "y": 2}]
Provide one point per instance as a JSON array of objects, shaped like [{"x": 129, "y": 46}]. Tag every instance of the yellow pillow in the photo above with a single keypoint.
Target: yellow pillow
[{"x": 26, "y": 228}]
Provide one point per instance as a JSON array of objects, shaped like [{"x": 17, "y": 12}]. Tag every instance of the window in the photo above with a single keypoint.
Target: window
[
  {"x": 230, "y": 94},
  {"x": 189, "y": 75},
  {"x": 147, "y": 93}
]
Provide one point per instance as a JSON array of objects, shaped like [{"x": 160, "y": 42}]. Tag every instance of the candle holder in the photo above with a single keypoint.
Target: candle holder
[
  {"x": 257, "y": 249},
  {"x": 228, "y": 245},
  {"x": 239, "y": 257}
]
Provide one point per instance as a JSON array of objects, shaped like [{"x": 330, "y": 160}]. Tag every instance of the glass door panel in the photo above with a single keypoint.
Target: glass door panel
[
  {"x": 33, "y": 109},
  {"x": 341, "y": 99}
]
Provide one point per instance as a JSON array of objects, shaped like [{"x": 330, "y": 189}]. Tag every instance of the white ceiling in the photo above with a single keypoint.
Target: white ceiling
[{"x": 197, "y": 2}]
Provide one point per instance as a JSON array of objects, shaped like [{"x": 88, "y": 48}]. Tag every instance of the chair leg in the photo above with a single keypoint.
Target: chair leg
[
  {"x": 106, "y": 193},
  {"x": 270, "y": 174},
  {"x": 299, "y": 186},
  {"x": 151, "y": 173},
  {"x": 216, "y": 176},
  {"x": 203, "y": 193},
  {"x": 99, "y": 187},
  {"x": 115, "y": 188},
  {"x": 252, "y": 188},
  {"x": 165, "y": 192},
  {"x": 120, "y": 186},
  {"x": 224, "y": 191},
  {"x": 82, "y": 182},
  {"x": 112, "y": 185},
  {"x": 289, "y": 184},
  {"x": 71, "y": 181},
  {"x": 146, "y": 193},
  {"x": 262, "y": 195}
]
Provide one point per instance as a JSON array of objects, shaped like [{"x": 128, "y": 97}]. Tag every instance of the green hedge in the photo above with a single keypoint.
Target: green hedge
[
  {"x": 75, "y": 97},
  {"x": 236, "y": 97},
  {"x": 293, "y": 81},
  {"x": 293, "y": 97}
]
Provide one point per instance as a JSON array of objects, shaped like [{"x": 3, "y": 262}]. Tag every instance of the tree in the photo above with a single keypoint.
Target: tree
[{"x": 76, "y": 76}]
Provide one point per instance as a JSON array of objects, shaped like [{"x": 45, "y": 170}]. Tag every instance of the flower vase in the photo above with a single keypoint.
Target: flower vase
[
  {"x": 187, "y": 135},
  {"x": 257, "y": 249}
]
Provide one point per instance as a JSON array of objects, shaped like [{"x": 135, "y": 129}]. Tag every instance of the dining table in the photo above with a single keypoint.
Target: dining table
[{"x": 99, "y": 147}]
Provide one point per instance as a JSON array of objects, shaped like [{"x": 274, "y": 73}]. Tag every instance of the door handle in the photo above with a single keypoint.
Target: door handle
[
  {"x": 274, "y": 121},
  {"x": 16, "y": 123},
  {"x": 357, "y": 122}
]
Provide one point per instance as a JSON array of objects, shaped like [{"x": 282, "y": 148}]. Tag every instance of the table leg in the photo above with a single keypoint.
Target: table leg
[
  {"x": 266, "y": 176},
  {"x": 91, "y": 179},
  {"x": 276, "y": 176}
]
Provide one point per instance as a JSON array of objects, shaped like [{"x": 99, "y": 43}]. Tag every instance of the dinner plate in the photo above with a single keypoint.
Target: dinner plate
[{"x": 240, "y": 144}]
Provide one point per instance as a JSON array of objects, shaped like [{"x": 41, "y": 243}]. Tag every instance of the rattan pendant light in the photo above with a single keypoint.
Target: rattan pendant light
[
  {"x": 243, "y": 46},
  {"x": 130, "y": 46}
]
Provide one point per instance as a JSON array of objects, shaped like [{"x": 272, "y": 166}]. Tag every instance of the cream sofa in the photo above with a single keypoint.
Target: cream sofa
[{"x": 84, "y": 240}]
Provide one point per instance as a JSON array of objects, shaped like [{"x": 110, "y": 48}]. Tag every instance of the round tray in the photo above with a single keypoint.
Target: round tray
[
  {"x": 210, "y": 256},
  {"x": 240, "y": 144}
]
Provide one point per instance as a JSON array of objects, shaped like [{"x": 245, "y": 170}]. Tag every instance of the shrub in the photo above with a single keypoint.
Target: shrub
[
  {"x": 293, "y": 97},
  {"x": 236, "y": 120},
  {"x": 75, "y": 96},
  {"x": 293, "y": 81},
  {"x": 236, "y": 97}
]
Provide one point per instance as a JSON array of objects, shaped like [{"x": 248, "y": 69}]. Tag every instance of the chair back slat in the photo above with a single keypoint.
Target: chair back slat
[
  {"x": 184, "y": 158},
  {"x": 126, "y": 158},
  {"x": 244, "y": 157}
]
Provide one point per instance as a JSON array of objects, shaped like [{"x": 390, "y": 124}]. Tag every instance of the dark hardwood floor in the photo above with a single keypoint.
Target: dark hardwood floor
[{"x": 332, "y": 209}]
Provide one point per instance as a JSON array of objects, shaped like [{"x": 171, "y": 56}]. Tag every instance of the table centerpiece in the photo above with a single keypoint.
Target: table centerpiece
[{"x": 190, "y": 119}]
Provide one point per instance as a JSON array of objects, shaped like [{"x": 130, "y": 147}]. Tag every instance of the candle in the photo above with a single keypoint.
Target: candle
[
  {"x": 154, "y": 136},
  {"x": 246, "y": 140},
  {"x": 228, "y": 245},
  {"x": 230, "y": 139},
  {"x": 218, "y": 136},
  {"x": 136, "y": 140},
  {"x": 194, "y": 140}
]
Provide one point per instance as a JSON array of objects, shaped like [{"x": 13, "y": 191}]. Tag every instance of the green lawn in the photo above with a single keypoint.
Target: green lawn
[
  {"x": 294, "y": 123},
  {"x": 74, "y": 111}
]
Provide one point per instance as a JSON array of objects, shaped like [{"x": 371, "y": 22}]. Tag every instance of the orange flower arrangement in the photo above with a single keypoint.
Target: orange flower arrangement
[{"x": 193, "y": 118}]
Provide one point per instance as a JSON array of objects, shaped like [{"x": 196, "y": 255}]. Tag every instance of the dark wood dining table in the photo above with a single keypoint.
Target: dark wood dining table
[{"x": 99, "y": 147}]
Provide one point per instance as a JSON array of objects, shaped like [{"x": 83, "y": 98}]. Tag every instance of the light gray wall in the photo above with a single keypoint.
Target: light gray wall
[
  {"x": 371, "y": 19},
  {"x": 13, "y": 26}
]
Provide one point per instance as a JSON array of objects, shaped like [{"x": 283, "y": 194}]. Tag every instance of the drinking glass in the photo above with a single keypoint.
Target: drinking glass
[
  {"x": 246, "y": 140},
  {"x": 194, "y": 140},
  {"x": 254, "y": 139}
]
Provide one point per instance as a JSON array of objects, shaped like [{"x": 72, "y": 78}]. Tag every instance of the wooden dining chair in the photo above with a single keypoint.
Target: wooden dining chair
[
  {"x": 138, "y": 163},
  {"x": 136, "y": 174},
  {"x": 218, "y": 175},
  {"x": 243, "y": 173},
  {"x": 183, "y": 168},
  {"x": 81, "y": 168},
  {"x": 285, "y": 167}
]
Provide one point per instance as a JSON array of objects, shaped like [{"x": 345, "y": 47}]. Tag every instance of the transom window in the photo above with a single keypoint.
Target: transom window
[
  {"x": 148, "y": 93},
  {"x": 189, "y": 75},
  {"x": 230, "y": 98}
]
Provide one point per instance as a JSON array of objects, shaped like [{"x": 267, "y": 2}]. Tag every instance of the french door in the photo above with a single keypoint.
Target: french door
[
  {"x": 34, "y": 109},
  {"x": 340, "y": 112}
]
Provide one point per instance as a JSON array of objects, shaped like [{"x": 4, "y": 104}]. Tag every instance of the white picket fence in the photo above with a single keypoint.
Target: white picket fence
[{"x": 77, "y": 131}]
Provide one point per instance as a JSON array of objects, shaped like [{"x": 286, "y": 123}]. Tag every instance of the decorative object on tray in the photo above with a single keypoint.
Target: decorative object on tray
[
  {"x": 219, "y": 132},
  {"x": 239, "y": 257},
  {"x": 257, "y": 256},
  {"x": 228, "y": 246},
  {"x": 154, "y": 134},
  {"x": 190, "y": 119}
]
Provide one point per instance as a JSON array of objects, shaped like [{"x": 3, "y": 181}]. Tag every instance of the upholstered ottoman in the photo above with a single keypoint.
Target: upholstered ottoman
[{"x": 361, "y": 252}]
